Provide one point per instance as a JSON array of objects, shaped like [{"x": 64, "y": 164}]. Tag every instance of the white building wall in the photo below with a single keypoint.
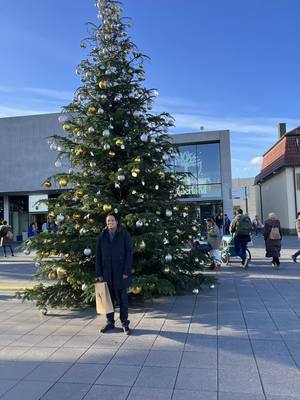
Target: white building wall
[
  {"x": 246, "y": 185},
  {"x": 275, "y": 198}
]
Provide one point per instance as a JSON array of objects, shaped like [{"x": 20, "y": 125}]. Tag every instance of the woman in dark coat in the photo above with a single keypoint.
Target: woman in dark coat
[
  {"x": 113, "y": 265},
  {"x": 273, "y": 238}
]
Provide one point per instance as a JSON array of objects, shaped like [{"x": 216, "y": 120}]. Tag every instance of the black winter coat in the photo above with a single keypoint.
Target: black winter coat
[
  {"x": 114, "y": 258},
  {"x": 273, "y": 247}
]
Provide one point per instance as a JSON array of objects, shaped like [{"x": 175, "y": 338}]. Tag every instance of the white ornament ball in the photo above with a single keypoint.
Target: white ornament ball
[
  {"x": 60, "y": 218},
  {"x": 122, "y": 147},
  {"x": 87, "y": 252},
  {"x": 106, "y": 146},
  {"x": 62, "y": 119},
  {"x": 139, "y": 224},
  {"x": 83, "y": 287},
  {"x": 169, "y": 213},
  {"x": 91, "y": 130},
  {"x": 165, "y": 157},
  {"x": 195, "y": 291},
  {"x": 168, "y": 257},
  {"x": 121, "y": 178},
  {"x": 82, "y": 231},
  {"x": 212, "y": 286},
  {"x": 57, "y": 164},
  {"x": 156, "y": 187},
  {"x": 106, "y": 133},
  {"x": 27, "y": 252},
  {"x": 100, "y": 111},
  {"x": 53, "y": 146},
  {"x": 144, "y": 137},
  {"x": 98, "y": 193}
]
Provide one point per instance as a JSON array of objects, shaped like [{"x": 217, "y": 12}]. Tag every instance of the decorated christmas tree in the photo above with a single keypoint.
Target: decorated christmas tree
[{"x": 120, "y": 159}]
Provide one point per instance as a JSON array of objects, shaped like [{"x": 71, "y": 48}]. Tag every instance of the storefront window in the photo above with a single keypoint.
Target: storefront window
[
  {"x": 202, "y": 163},
  {"x": 18, "y": 214}
]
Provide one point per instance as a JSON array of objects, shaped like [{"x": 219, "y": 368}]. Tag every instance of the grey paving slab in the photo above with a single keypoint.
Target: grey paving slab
[
  {"x": 240, "y": 396},
  {"x": 49, "y": 372},
  {"x": 197, "y": 379},
  {"x": 66, "y": 391},
  {"x": 103, "y": 392},
  {"x": 14, "y": 370},
  {"x": 122, "y": 375},
  {"x": 276, "y": 384},
  {"x": 193, "y": 395},
  {"x": 27, "y": 390},
  {"x": 54, "y": 341},
  {"x": 37, "y": 354},
  {"x": 28, "y": 340},
  {"x": 161, "y": 358},
  {"x": 130, "y": 357},
  {"x": 157, "y": 377},
  {"x": 138, "y": 393},
  {"x": 243, "y": 380},
  {"x": 83, "y": 373},
  {"x": 97, "y": 355},
  {"x": 205, "y": 359},
  {"x": 66, "y": 354}
]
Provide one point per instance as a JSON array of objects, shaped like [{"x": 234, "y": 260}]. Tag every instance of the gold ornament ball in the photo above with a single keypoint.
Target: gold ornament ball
[
  {"x": 135, "y": 170},
  {"x": 54, "y": 253},
  {"x": 111, "y": 154},
  {"x": 47, "y": 184},
  {"x": 92, "y": 110},
  {"x": 79, "y": 152},
  {"x": 79, "y": 194},
  {"x": 119, "y": 142},
  {"x": 137, "y": 160},
  {"x": 76, "y": 217},
  {"x": 102, "y": 85},
  {"x": 107, "y": 208},
  {"x": 67, "y": 127},
  {"x": 136, "y": 290},
  {"x": 62, "y": 182},
  {"x": 52, "y": 275},
  {"x": 195, "y": 229},
  {"x": 61, "y": 273}
]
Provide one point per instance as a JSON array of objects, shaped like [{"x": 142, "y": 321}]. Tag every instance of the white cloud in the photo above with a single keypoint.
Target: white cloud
[{"x": 257, "y": 161}]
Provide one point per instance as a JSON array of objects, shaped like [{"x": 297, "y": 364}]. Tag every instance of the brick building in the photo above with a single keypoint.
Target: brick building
[{"x": 278, "y": 183}]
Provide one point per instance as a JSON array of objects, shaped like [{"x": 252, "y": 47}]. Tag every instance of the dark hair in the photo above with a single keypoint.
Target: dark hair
[
  {"x": 4, "y": 222},
  {"x": 116, "y": 217},
  {"x": 240, "y": 211},
  {"x": 211, "y": 220},
  {"x": 298, "y": 214}
]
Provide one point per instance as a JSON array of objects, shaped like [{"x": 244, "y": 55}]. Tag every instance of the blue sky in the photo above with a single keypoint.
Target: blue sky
[{"x": 219, "y": 64}]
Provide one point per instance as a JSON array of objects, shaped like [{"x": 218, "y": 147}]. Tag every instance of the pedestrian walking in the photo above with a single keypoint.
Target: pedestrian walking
[
  {"x": 113, "y": 265},
  {"x": 297, "y": 225},
  {"x": 6, "y": 237},
  {"x": 227, "y": 223},
  {"x": 241, "y": 228},
  {"x": 273, "y": 237},
  {"x": 32, "y": 230},
  {"x": 213, "y": 239},
  {"x": 257, "y": 226}
]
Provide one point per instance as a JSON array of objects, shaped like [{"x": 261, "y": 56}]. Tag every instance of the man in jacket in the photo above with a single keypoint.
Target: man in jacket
[
  {"x": 297, "y": 224},
  {"x": 113, "y": 265},
  {"x": 240, "y": 228}
]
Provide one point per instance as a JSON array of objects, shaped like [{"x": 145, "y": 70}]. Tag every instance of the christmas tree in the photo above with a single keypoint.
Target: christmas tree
[{"x": 121, "y": 159}]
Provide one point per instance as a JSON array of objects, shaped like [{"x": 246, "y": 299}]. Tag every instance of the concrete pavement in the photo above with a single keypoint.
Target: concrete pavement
[{"x": 238, "y": 341}]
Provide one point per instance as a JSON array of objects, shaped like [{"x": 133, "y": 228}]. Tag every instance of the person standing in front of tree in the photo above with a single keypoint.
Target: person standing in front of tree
[{"x": 113, "y": 265}]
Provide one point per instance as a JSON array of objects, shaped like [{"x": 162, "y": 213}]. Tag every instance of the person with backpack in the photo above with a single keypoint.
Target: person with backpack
[
  {"x": 273, "y": 237},
  {"x": 241, "y": 228},
  {"x": 6, "y": 237}
]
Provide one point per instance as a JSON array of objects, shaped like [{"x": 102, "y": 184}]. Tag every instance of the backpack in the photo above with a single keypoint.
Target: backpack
[
  {"x": 243, "y": 226},
  {"x": 274, "y": 233},
  {"x": 9, "y": 235}
]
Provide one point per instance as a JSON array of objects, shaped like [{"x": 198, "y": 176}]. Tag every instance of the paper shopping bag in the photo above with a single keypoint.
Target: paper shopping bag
[{"x": 103, "y": 300}]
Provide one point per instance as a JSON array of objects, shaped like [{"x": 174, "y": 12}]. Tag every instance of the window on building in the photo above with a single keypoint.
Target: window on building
[{"x": 202, "y": 163}]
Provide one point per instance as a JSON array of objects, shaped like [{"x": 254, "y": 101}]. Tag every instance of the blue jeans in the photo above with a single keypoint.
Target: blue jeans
[
  {"x": 123, "y": 300},
  {"x": 240, "y": 245}
]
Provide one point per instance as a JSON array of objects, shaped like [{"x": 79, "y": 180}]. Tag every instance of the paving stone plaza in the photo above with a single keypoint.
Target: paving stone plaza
[{"x": 237, "y": 341}]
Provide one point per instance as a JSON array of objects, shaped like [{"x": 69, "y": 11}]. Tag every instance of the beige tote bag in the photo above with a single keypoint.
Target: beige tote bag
[{"x": 103, "y": 301}]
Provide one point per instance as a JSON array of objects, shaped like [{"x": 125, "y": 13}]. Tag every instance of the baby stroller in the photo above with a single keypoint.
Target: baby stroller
[{"x": 228, "y": 250}]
